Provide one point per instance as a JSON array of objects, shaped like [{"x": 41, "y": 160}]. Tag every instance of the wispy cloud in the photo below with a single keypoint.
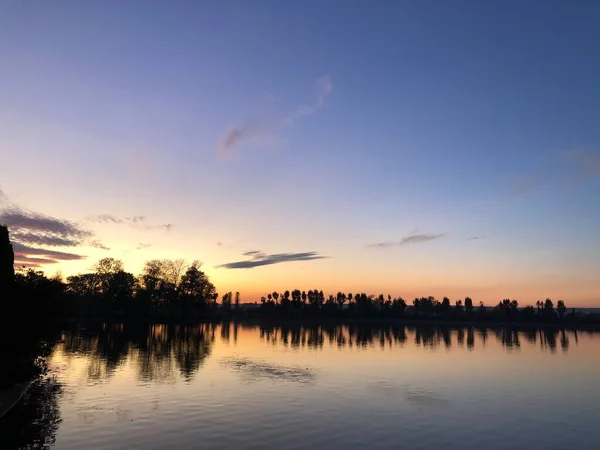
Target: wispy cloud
[
  {"x": 139, "y": 222},
  {"x": 238, "y": 134},
  {"x": 41, "y": 238},
  {"x": 32, "y": 233},
  {"x": 29, "y": 223},
  {"x": 408, "y": 240},
  {"x": 31, "y": 228},
  {"x": 234, "y": 135},
  {"x": 29, "y": 262},
  {"x": 474, "y": 238},
  {"x": 142, "y": 246},
  {"x": 98, "y": 244},
  {"x": 324, "y": 88},
  {"x": 258, "y": 258}
]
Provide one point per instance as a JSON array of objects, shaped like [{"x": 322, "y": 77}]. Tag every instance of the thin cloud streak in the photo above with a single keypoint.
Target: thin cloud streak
[
  {"x": 25, "y": 250},
  {"x": 22, "y": 260},
  {"x": 238, "y": 134},
  {"x": 139, "y": 222},
  {"x": 261, "y": 259},
  {"x": 97, "y": 244},
  {"x": 324, "y": 88},
  {"x": 43, "y": 239},
  {"x": 408, "y": 240},
  {"x": 234, "y": 135}
]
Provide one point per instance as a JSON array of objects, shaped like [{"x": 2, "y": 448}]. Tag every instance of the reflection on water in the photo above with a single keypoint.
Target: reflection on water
[
  {"x": 256, "y": 370},
  {"x": 158, "y": 350},
  {"x": 361, "y": 335},
  {"x": 34, "y": 420},
  {"x": 237, "y": 385}
]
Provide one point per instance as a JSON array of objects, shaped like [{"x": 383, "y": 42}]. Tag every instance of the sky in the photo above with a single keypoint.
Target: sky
[{"x": 412, "y": 148}]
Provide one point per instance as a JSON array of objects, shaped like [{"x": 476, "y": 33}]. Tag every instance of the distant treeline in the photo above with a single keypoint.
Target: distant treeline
[
  {"x": 360, "y": 305},
  {"x": 173, "y": 290}
]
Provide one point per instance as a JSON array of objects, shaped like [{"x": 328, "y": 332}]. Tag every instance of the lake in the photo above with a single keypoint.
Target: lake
[{"x": 352, "y": 386}]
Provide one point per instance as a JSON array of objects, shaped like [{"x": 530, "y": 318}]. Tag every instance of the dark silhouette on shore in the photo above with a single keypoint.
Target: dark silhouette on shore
[
  {"x": 29, "y": 414},
  {"x": 27, "y": 332},
  {"x": 33, "y": 422}
]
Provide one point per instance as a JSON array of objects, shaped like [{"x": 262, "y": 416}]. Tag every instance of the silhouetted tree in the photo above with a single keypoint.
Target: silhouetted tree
[
  {"x": 237, "y": 300},
  {"x": 561, "y": 308},
  {"x": 468, "y": 305},
  {"x": 108, "y": 266},
  {"x": 398, "y": 306},
  {"x": 459, "y": 307},
  {"x": 195, "y": 287},
  {"x": 417, "y": 306},
  {"x": 548, "y": 309},
  {"x": 226, "y": 302},
  {"x": 341, "y": 299}
]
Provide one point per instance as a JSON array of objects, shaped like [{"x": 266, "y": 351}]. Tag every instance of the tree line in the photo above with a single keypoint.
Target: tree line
[
  {"x": 173, "y": 289},
  {"x": 165, "y": 288},
  {"x": 314, "y": 302}
]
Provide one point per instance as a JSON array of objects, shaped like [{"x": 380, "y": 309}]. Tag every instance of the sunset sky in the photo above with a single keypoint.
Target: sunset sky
[{"x": 412, "y": 148}]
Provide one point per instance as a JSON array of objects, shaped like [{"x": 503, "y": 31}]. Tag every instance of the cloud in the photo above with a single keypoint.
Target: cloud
[
  {"x": 262, "y": 259},
  {"x": 30, "y": 228},
  {"x": 234, "y": 135},
  {"x": 31, "y": 233},
  {"x": 50, "y": 239},
  {"x": 32, "y": 262},
  {"x": 166, "y": 226},
  {"x": 30, "y": 223},
  {"x": 139, "y": 222},
  {"x": 474, "y": 238},
  {"x": 142, "y": 246},
  {"x": 105, "y": 218},
  {"x": 411, "y": 239},
  {"x": 254, "y": 253},
  {"x": 238, "y": 134},
  {"x": 97, "y": 244},
  {"x": 324, "y": 88},
  {"x": 22, "y": 250}
]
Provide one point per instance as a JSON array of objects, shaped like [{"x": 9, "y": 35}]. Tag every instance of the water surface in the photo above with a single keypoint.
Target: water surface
[{"x": 235, "y": 386}]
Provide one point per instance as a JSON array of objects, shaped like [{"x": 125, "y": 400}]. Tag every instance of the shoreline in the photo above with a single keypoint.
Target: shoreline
[{"x": 311, "y": 321}]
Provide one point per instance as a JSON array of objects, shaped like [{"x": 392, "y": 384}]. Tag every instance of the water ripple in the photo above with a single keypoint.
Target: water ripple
[{"x": 253, "y": 370}]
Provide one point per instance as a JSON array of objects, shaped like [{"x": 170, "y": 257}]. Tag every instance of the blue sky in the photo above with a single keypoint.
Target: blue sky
[{"x": 358, "y": 122}]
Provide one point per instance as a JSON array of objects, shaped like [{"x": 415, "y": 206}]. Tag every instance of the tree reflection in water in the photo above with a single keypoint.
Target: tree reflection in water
[
  {"x": 34, "y": 420},
  {"x": 157, "y": 351},
  {"x": 387, "y": 336}
]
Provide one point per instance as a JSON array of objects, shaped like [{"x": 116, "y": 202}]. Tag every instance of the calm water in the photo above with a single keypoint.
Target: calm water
[{"x": 234, "y": 386}]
